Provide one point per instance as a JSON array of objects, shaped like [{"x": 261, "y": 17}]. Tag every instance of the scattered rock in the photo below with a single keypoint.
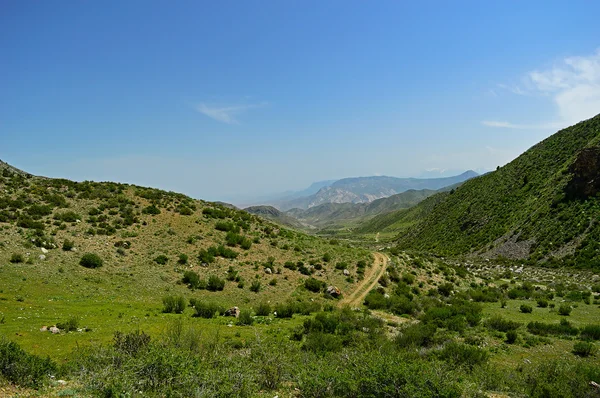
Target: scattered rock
[
  {"x": 54, "y": 330},
  {"x": 346, "y": 272},
  {"x": 268, "y": 271},
  {"x": 45, "y": 251},
  {"x": 77, "y": 221},
  {"x": 42, "y": 257},
  {"x": 233, "y": 311},
  {"x": 44, "y": 329},
  {"x": 333, "y": 291}
]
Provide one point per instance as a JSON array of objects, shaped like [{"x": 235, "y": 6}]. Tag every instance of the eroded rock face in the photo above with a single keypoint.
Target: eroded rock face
[{"x": 586, "y": 175}]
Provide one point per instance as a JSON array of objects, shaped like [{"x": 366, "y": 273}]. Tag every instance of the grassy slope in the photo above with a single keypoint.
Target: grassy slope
[
  {"x": 523, "y": 202},
  {"x": 127, "y": 291}
]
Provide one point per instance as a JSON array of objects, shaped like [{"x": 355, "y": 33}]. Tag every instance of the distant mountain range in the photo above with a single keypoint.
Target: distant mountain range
[{"x": 364, "y": 190}]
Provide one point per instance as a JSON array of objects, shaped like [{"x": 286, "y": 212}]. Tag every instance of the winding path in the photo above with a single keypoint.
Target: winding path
[{"x": 357, "y": 297}]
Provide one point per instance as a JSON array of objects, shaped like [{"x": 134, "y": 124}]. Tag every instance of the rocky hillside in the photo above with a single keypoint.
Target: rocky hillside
[
  {"x": 543, "y": 206},
  {"x": 279, "y": 217},
  {"x": 368, "y": 189}
]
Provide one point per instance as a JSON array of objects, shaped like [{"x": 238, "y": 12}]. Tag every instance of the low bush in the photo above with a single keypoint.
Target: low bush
[
  {"x": 511, "y": 336},
  {"x": 17, "y": 258},
  {"x": 314, "y": 285},
  {"x": 245, "y": 318},
  {"x": 463, "y": 355},
  {"x": 590, "y": 332},
  {"x": 70, "y": 325},
  {"x": 173, "y": 304},
  {"x": 21, "y": 368},
  {"x": 255, "y": 286},
  {"x": 564, "y": 328},
  {"x": 263, "y": 309},
  {"x": 161, "y": 259},
  {"x": 131, "y": 343},
  {"x": 205, "y": 309},
  {"x": 215, "y": 283},
  {"x": 91, "y": 260},
  {"x": 417, "y": 335},
  {"x": 565, "y": 310},
  {"x": 500, "y": 324},
  {"x": 526, "y": 309},
  {"x": 583, "y": 348},
  {"x": 152, "y": 210},
  {"x": 68, "y": 245}
]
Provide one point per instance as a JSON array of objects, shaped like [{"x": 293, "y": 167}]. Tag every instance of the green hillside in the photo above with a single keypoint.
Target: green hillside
[{"x": 543, "y": 206}]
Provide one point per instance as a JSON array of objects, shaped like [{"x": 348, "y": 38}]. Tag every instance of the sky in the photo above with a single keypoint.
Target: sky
[{"x": 230, "y": 100}]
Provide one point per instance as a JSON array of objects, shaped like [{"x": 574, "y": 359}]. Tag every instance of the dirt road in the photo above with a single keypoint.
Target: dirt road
[{"x": 356, "y": 297}]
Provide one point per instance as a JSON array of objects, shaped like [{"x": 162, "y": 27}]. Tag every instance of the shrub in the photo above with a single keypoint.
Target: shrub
[
  {"x": 191, "y": 279},
  {"x": 542, "y": 303},
  {"x": 263, "y": 309},
  {"x": 464, "y": 355},
  {"x": 21, "y": 368},
  {"x": 152, "y": 210},
  {"x": 68, "y": 245},
  {"x": 173, "y": 304},
  {"x": 215, "y": 283},
  {"x": 245, "y": 318},
  {"x": 590, "y": 332},
  {"x": 583, "y": 348},
  {"x": 417, "y": 335},
  {"x": 409, "y": 279},
  {"x": 327, "y": 257},
  {"x": 445, "y": 289},
  {"x": 162, "y": 259},
  {"x": 183, "y": 259},
  {"x": 526, "y": 309},
  {"x": 501, "y": 324},
  {"x": 131, "y": 343},
  {"x": 564, "y": 328},
  {"x": 67, "y": 216},
  {"x": 17, "y": 258},
  {"x": 511, "y": 336},
  {"x": 70, "y": 325},
  {"x": 205, "y": 309},
  {"x": 314, "y": 285},
  {"x": 255, "y": 286},
  {"x": 286, "y": 310},
  {"x": 91, "y": 260},
  {"x": 564, "y": 310},
  {"x": 206, "y": 257}
]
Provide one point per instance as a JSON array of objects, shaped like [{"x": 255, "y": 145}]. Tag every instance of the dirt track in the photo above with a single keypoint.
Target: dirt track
[{"x": 356, "y": 298}]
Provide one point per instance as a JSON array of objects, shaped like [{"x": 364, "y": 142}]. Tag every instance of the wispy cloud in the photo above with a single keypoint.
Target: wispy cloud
[
  {"x": 226, "y": 114},
  {"x": 509, "y": 125},
  {"x": 573, "y": 85}
]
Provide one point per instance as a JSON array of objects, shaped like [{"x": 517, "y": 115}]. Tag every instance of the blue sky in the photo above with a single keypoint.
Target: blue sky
[{"x": 227, "y": 100}]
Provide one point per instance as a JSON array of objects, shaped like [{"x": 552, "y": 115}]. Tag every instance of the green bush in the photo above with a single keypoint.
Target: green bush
[
  {"x": 511, "y": 336},
  {"x": 17, "y": 258},
  {"x": 463, "y": 355},
  {"x": 255, "y": 286},
  {"x": 205, "y": 309},
  {"x": 173, "y": 304},
  {"x": 152, "y": 210},
  {"x": 583, "y": 348},
  {"x": 161, "y": 259},
  {"x": 263, "y": 309},
  {"x": 314, "y": 285},
  {"x": 590, "y": 332},
  {"x": 526, "y": 309},
  {"x": 131, "y": 343},
  {"x": 67, "y": 216},
  {"x": 193, "y": 280},
  {"x": 90, "y": 260},
  {"x": 70, "y": 325},
  {"x": 542, "y": 303},
  {"x": 215, "y": 283},
  {"x": 417, "y": 335},
  {"x": 565, "y": 310},
  {"x": 68, "y": 245},
  {"x": 245, "y": 318},
  {"x": 183, "y": 259},
  {"x": 21, "y": 368},
  {"x": 500, "y": 324},
  {"x": 564, "y": 328}
]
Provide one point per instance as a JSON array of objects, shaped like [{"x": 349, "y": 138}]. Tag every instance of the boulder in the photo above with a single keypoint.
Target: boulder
[
  {"x": 346, "y": 272},
  {"x": 44, "y": 329},
  {"x": 233, "y": 311},
  {"x": 42, "y": 257},
  {"x": 54, "y": 330},
  {"x": 268, "y": 271},
  {"x": 333, "y": 291},
  {"x": 45, "y": 251}
]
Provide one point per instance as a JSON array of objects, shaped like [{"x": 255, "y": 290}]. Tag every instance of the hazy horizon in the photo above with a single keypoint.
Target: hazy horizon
[{"x": 173, "y": 97}]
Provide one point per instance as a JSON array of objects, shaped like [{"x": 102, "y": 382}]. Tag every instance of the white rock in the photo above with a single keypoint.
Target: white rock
[
  {"x": 45, "y": 251},
  {"x": 42, "y": 257}
]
